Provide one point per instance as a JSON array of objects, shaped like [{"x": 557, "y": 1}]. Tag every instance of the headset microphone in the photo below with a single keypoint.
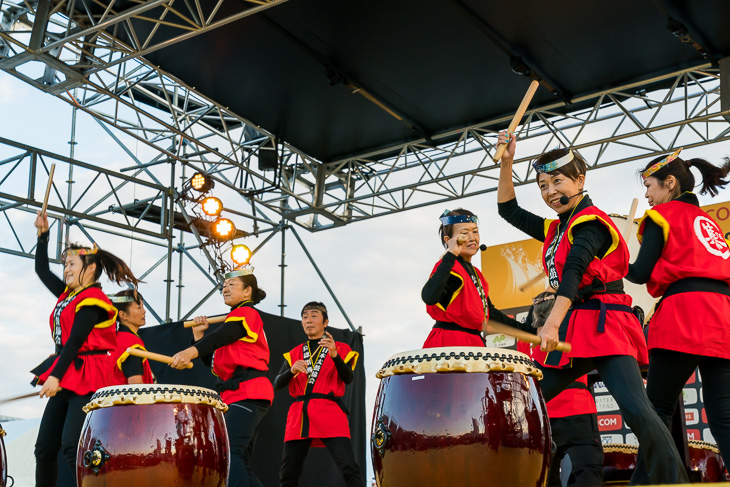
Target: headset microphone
[
  {"x": 482, "y": 247},
  {"x": 564, "y": 200}
]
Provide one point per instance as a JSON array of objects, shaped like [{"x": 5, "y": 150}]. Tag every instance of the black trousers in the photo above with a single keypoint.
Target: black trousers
[
  {"x": 669, "y": 372},
  {"x": 578, "y": 438},
  {"x": 340, "y": 448},
  {"x": 60, "y": 429},
  {"x": 622, "y": 377},
  {"x": 243, "y": 419}
]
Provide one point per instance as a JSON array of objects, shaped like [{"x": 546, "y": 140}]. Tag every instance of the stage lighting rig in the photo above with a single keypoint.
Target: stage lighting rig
[
  {"x": 201, "y": 182},
  {"x": 240, "y": 255},
  {"x": 223, "y": 229},
  {"x": 211, "y": 206}
]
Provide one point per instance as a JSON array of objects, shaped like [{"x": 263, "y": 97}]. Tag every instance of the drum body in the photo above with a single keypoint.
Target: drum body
[
  {"x": 460, "y": 416},
  {"x": 148, "y": 434},
  {"x": 705, "y": 458},
  {"x": 3, "y": 460},
  {"x": 619, "y": 462}
]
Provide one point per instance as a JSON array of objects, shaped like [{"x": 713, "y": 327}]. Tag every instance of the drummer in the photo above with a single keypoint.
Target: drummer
[
  {"x": 685, "y": 259},
  {"x": 317, "y": 372},
  {"x": 585, "y": 259},
  {"x": 456, "y": 294},
  {"x": 241, "y": 361},
  {"x": 82, "y": 326},
  {"x": 129, "y": 369}
]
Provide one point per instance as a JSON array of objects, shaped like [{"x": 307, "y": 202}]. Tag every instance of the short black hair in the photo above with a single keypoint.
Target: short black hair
[{"x": 318, "y": 306}]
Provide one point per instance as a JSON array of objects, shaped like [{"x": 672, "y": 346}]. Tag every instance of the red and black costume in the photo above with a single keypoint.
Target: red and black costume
[
  {"x": 126, "y": 365},
  {"x": 318, "y": 416},
  {"x": 82, "y": 327},
  {"x": 239, "y": 355},
  {"x": 457, "y": 297},
  {"x": 684, "y": 258},
  {"x": 585, "y": 259}
]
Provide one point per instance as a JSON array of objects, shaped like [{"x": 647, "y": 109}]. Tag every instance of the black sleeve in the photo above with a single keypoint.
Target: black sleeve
[
  {"x": 48, "y": 278},
  {"x": 497, "y": 315},
  {"x": 132, "y": 366},
  {"x": 284, "y": 376},
  {"x": 226, "y": 334},
  {"x": 590, "y": 239},
  {"x": 441, "y": 284},
  {"x": 83, "y": 324},
  {"x": 518, "y": 217},
  {"x": 652, "y": 245},
  {"x": 343, "y": 370}
]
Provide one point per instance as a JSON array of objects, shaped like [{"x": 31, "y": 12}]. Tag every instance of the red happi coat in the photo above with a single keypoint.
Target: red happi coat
[
  {"x": 622, "y": 333},
  {"x": 694, "y": 322},
  {"x": 465, "y": 308},
  {"x": 324, "y": 417},
  {"x": 250, "y": 352},
  {"x": 126, "y": 338},
  {"x": 575, "y": 400},
  {"x": 88, "y": 372}
]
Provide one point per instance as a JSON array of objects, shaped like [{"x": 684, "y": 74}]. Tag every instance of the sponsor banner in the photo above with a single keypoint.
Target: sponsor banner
[
  {"x": 612, "y": 439},
  {"x": 707, "y": 436},
  {"x": 691, "y": 416},
  {"x": 600, "y": 388},
  {"x": 609, "y": 422},
  {"x": 689, "y": 396},
  {"x": 606, "y": 403},
  {"x": 693, "y": 434},
  {"x": 500, "y": 341},
  {"x": 631, "y": 439}
]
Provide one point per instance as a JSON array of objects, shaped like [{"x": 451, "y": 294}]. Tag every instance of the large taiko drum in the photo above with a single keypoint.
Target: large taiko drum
[
  {"x": 463, "y": 416},
  {"x": 705, "y": 458},
  {"x": 153, "y": 434},
  {"x": 3, "y": 460},
  {"x": 619, "y": 462}
]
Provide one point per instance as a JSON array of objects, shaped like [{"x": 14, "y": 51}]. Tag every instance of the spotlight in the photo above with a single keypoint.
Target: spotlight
[
  {"x": 201, "y": 182},
  {"x": 211, "y": 206},
  {"x": 223, "y": 229},
  {"x": 240, "y": 255}
]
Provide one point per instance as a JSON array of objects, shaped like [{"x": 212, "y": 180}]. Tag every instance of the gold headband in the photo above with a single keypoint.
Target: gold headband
[
  {"x": 660, "y": 164},
  {"x": 120, "y": 299},
  {"x": 82, "y": 251},
  {"x": 245, "y": 270}
]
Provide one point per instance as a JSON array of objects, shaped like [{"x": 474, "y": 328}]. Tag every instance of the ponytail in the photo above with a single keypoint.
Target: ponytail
[
  {"x": 249, "y": 280},
  {"x": 114, "y": 267},
  {"x": 712, "y": 176}
]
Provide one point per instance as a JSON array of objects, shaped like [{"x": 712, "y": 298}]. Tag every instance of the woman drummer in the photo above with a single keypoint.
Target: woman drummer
[
  {"x": 456, "y": 294},
  {"x": 241, "y": 362},
  {"x": 684, "y": 258},
  {"x": 585, "y": 259},
  {"x": 82, "y": 326},
  {"x": 129, "y": 369}
]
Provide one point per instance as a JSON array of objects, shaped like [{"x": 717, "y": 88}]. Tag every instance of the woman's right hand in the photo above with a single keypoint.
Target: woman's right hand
[
  {"x": 41, "y": 222},
  {"x": 300, "y": 366},
  {"x": 201, "y": 324},
  {"x": 508, "y": 155},
  {"x": 453, "y": 245}
]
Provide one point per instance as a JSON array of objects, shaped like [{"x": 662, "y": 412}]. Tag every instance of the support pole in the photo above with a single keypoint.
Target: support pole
[
  {"x": 66, "y": 228},
  {"x": 283, "y": 265},
  {"x": 170, "y": 237},
  {"x": 324, "y": 281}
]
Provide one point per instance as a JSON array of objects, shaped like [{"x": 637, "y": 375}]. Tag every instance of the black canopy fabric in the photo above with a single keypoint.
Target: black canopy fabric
[
  {"x": 439, "y": 64},
  {"x": 282, "y": 334}
]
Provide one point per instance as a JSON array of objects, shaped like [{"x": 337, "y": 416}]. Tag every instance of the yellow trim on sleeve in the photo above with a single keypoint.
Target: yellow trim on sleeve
[
  {"x": 103, "y": 305},
  {"x": 615, "y": 238},
  {"x": 547, "y": 223},
  {"x": 657, "y": 218},
  {"x": 287, "y": 357},
  {"x": 352, "y": 355},
  {"x": 456, "y": 293},
  {"x": 250, "y": 337},
  {"x": 125, "y": 355}
]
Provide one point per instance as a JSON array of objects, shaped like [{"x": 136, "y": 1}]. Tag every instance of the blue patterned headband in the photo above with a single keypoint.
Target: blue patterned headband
[
  {"x": 553, "y": 165},
  {"x": 453, "y": 219}
]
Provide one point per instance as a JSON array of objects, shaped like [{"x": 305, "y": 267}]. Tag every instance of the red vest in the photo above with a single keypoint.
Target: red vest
[
  {"x": 324, "y": 417},
  {"x": 89, "y": 372},
  {"x": 694, "y": 246},
  {"x": 465, "y": 308},
  {"x": 129, "y": 339},
  {"x": 251, "y": 352}
]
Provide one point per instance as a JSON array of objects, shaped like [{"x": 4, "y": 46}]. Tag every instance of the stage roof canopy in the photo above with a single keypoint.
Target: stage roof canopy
[{"x": 339, "y": 79}]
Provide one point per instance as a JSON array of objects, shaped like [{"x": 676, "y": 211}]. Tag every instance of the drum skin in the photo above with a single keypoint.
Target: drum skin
[
  {"x": 180, "y": 444},
  {"x": 3, "y": 460},
  {"x": 461, "y": 428}
]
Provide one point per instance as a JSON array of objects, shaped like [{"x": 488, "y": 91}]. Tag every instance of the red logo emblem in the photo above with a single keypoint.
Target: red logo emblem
[
  {"x": 711, "y": 237},
  {"x": 609, "y": 422},
  {"x": 693, "y": 435}
]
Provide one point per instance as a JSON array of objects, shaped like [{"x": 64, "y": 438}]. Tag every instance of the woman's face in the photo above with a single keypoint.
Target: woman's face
[
  {"x": 658, "y": 192},
  {"x": 553, "y": 187},
  {"x": 471, "y": 232},
  {"x": 72, "y": 273},
  {"x": 134, "y": 316},
  {"x": 234, "y": 291}
]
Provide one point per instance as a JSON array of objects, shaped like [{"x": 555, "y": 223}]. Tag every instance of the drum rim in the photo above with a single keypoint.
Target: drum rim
[
  {"x": 137, "y": 394},
  {"x": 620, "y": 448},
  {"x": 459, "y": 359},
  {"x": 705, "y": 445}
]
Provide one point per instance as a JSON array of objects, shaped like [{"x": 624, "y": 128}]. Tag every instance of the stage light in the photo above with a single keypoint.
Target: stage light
[
  {"x": 201, "y": 182},
  {"x": 240, "y": 255},
  {"x": 223, "y": 229},
  {"x": 211, "y": 206}
]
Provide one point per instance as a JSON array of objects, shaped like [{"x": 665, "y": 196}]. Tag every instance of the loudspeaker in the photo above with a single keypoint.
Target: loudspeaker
[{"x": 268, "y": 158}]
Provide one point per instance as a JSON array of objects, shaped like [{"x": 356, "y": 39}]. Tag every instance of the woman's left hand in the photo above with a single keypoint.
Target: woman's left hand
[
  {"x": 181, "y": 359},
  {"x": 50, "y": 387},
  {"x": 328, "y": 342},
  {"x": 549, "y": 335}
]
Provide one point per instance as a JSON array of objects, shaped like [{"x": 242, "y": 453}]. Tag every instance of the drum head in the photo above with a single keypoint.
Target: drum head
[
  {"x": 459, "y": 359},
  {"x": 152, "y": 394}
]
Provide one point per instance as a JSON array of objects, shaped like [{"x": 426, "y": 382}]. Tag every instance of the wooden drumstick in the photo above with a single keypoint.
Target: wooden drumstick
[
  {"x": 531, "y": 282},
  {"x": 523, "y": 336},
  {"x": 18, "y": 398},
  {"x": 157, "y": 357},
  {"x": 48, "y": 192},
  {"x": 630, "y": 221},
  {"x": 211, "y": 320},
  {"x": 516, "y": 119}
]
